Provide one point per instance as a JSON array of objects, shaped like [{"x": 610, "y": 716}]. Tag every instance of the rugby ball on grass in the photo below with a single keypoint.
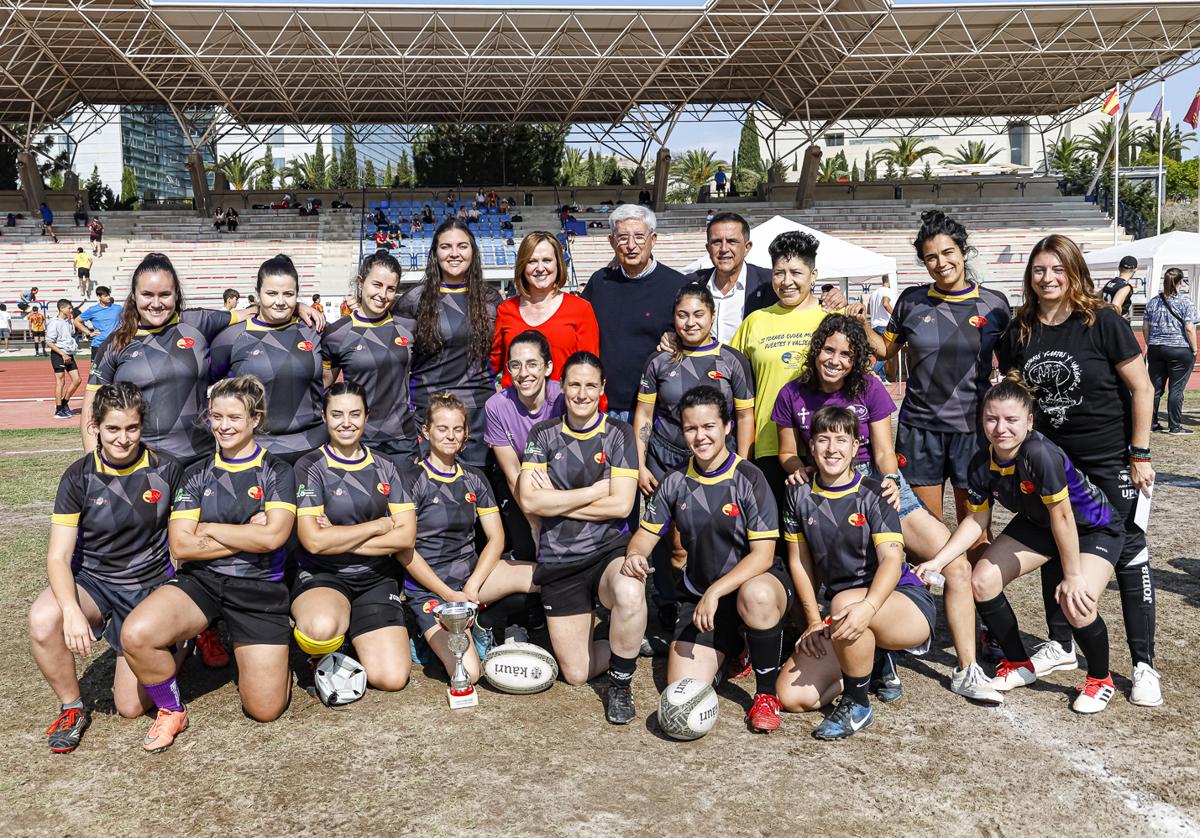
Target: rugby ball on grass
[
  {"x": 520, "y": 668},
  {"x": 687, "y": 709}
]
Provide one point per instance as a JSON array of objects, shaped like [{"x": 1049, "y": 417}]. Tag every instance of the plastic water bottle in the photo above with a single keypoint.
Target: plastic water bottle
[{"x": 935, "y": 582}]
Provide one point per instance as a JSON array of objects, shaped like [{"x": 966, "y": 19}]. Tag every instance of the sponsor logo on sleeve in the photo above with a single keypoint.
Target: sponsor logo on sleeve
[{"x": 303, "y": 491}]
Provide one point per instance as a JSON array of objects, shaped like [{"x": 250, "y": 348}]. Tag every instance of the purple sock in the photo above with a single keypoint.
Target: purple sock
[{"x": 165, "y": 695}]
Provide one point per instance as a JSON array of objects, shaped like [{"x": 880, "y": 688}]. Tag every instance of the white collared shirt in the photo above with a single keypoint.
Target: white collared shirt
[
  {"x": 729, "y": 306},
  {"x": 649, "y": 270}
]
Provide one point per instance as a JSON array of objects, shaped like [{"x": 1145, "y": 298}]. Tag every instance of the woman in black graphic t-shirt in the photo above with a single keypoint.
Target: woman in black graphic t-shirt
[{"x": 1094, "y": 399}]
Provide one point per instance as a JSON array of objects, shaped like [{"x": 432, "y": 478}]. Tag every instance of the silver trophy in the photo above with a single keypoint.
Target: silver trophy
[{"x": 457, "y": 618}]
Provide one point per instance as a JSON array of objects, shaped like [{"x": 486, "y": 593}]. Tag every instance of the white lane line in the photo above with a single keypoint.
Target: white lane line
[{"x": 1161, "y": 817}]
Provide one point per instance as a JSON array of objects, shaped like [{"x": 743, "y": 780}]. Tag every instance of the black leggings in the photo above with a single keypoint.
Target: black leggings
[
  {"x": 1170, "y": 367},
  {"x": 1134, "y": 579}
]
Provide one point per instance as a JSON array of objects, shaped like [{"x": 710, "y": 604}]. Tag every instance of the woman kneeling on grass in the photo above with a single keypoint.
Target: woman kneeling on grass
[
  {"x": 229, "y": 524},
  {"x": 842, "y": 531},
  {"x": 108, "y": 551},
  {"x": 1059, "y": 517}
]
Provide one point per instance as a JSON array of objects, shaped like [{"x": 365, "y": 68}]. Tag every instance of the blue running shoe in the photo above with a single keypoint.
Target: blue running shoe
[
  {"x": 484, "y": 640},
  {"x": 420, "y": 651},
  {"x": 885, "y": 680},
  {"x": 847, "y": 719}
]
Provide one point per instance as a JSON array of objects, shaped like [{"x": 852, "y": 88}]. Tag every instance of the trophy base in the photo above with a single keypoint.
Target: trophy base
[{"x": 460, "y": 699}]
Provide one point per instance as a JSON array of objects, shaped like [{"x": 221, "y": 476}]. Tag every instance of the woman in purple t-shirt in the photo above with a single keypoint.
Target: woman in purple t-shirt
[{"x": 837, "y": 374}]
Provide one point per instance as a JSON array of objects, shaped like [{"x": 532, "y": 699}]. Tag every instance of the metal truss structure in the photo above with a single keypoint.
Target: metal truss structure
[{"x": 622, "y": 76}]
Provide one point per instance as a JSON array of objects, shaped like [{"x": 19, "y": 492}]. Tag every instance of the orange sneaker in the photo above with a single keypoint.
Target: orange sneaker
[
  {"x": 764, "y": 713},
  {"x": 212, "y": 650},
  {"x": 166, "y": 727}
]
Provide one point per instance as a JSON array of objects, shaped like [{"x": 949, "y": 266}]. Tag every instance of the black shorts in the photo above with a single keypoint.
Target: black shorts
[
  {"x": 662, "y": 457},
  {"x": 570, "y": 588},
  {"x": 418, "y": 608},
  {"x": 374, "y": 599},
  {"x": 257, "y": 611},
  {"x": 60, "y": 364},
  {"x": 96, "y": 237},
  {"x": 85, "y": 273},
  {"x": 114, "y": 604},
  {"x": 1105, "y": 542},
  {"x": 930, "y": 458},
  {"x": 726, "y": 636},
  {"x": 923, "y": 599},
  {"x": 401, "y": 452}
]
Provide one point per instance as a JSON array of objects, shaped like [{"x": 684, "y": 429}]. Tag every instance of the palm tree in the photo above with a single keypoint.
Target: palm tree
[
  {"x": 303, "y": 172},
  {"x": 1100, "y": 138},
  {"x": 1174, "y": 141},
  {"x": 573, "y": 169},
  {"x": 694, "y": 168},
  {"x": 238, "y": 169},
  {"x": 833, "y": 168},
  {"x": 907, "y": 152},
  {"x": 973, "y": 153},
  {"x": 1065, "y": 154}
]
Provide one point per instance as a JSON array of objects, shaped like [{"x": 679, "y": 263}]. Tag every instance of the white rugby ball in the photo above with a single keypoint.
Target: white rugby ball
[
  {"x": 520, "y": 668},
  {"x": 687, "y": 709}
]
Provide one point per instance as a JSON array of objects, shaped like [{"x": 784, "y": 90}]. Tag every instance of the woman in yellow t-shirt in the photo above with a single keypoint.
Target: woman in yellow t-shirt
[{"x": 775, "y": 340}]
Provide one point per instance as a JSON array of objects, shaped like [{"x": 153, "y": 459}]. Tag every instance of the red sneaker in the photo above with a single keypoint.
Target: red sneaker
[
  {"x": 764, "y": 713},
  {"x": 738, "y": 667},
  {"x": 167, "y": 725},
  {"x": 212, "y": 650}
]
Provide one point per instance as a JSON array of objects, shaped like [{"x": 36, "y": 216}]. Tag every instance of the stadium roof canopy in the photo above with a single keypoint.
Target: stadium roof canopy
[{"x": 364, "y": 63}]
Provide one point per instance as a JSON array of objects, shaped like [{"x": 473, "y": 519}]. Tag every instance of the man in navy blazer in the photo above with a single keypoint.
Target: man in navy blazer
[{"x": 737, "y": 286}]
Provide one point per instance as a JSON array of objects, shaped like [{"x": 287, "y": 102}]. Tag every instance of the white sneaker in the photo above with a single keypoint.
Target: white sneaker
[
  {"x": 1051, "y": 657},
  {"x": 974, "y": 684},
  {"x": 1009, "y": 676},
  {"x": 1147, "y": 689},
  {"x": 1094, "y": 695}
]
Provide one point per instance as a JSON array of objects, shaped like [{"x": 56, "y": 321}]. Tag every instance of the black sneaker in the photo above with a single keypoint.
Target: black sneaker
[
  {"x": 618, "y": 708},
  {"x": 1180, "y": 431},
  {"x": 67, "y": 730},
  {"x": 885, "y": 681},
  {"x": 1158, "y": 429}
]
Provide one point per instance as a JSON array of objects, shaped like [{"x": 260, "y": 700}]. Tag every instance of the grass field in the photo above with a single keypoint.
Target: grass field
[{"x": 549, "y": 764}]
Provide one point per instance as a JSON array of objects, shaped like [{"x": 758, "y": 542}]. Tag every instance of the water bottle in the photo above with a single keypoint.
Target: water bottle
[{"x": 935, "y": 581}]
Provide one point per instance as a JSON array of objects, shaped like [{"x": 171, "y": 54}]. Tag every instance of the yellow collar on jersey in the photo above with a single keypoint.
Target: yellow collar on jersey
[
  {"x": 836, "y": 491},
  {"x": 971, "y": 292},
  {"x": 454, "y": 289},
  {"x": 256, "y": 325},
  {"x": 1004, "y": 469},
  {"x": 713, "y": 348},
  {"x": 596, "y": 429},
  {"x": 357, "y": 319},
  {"x": 726, "y": 472},
  {"x": 334, "y": 461},
  {"x": 434, "y": 474},
  {"x": 104, "y": 467},
  {"x": 244, "y": 464},
  {"x": 141, "y": 332}
]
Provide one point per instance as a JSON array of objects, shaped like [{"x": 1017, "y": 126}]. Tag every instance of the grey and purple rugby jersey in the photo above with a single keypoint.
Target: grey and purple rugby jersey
[
  {"x": 575, "y": 459},
  {"x": 287, "y": 360},
  {"x": 447, "y": 507},
  {"x": 842, "y": 526},
  {"x": 665, "y": 380},
  {"x": 376, "y": 355},
  {"x": 1040, "y": 476},
  {"x": 717, "y": 514},
  {"x": 121, "y": 517},
  {"x": 950, "y": 339},
  {"x": 452, "y": 369},
  {"x": 233, "y": 491},
  {"x": 170, "y": 365},
  {"x": 349, "y": 492}
]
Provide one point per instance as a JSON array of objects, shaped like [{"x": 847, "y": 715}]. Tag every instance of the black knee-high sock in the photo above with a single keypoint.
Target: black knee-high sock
[
  {"x": 1056, "y": 622},
  {"x": 1093, "y": 642},
  {"x": 502, "y": 613},
  {"x": 1001, "y": 622},
  {"x": 766, "y": 651},
  {"x": 1137, "y": 607},
  {"x": 620, "y": 670}
]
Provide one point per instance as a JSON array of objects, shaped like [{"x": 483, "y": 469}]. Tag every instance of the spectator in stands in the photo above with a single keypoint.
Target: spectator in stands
[
  {"x": 99, "y": 320},
  {"x": 81, "y": 214},
  {"x": 60, "y": 339},
  {"x": 316, "y": 303},
  {"x": 493, "y": 198},
  {"x": 460, "y": 215},
  {"x": 11, "y": 220},
  {"x": 450, "y": 197},
  {"x": 231, "y": 220},
  {"x": 644, "y": 197},
  {"x": 96, "y": 235},
  {"x": 879, "y": 309},
  {"x": 230, "y": 299},
  {"x": 415, "y": 227},
  {"x": 219, "y": 219},
  {"x": 480, "y": 199},
  {"x": 427, "y": 216},
  {"x": 381, "y": 239},
  {"x": 1119, "y": 290},
  {"x": 737, "y": 287},
  {"x": 1170, "y": 330},
  {"x": 473, "y": 214},
  {"x": 566, "y": 320},
  {"x": 83, "y": 271},
  {"x": 708, "y": 218},
  {"x": 5, "y": 327},
  {"x": 632, "y": 298},
  {"x": 30, "y": 300},
  {"x": 720, "y": 179},
  {"x": 48, "y": 222},
  {"x": 378, "y": 218}
]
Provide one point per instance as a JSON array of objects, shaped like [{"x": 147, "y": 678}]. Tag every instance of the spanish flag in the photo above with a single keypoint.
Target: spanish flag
[
  {"x": 1112, "y": 103},
  {"x": 1192, "y": 117}
]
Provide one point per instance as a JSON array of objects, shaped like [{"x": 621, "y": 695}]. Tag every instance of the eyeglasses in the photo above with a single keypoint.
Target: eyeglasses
[{"x": 625, "y": 238}]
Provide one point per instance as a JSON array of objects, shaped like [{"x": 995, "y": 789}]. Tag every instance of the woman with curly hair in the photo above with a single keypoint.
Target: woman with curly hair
[
  {"x": 454, "y": 315},
  {"x": 836, "y": 374},
  {"x": 1095, "y": 400}
]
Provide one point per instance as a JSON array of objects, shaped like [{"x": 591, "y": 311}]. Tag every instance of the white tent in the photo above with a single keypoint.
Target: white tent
[
  {"x": 1155, "y": 254},
  {"x": 836, "y": 258}
]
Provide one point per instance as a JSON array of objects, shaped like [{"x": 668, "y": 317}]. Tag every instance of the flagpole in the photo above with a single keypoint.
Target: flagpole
[
  {"x": 1162, "y": 100},
  {"x": 1116, "y": 201}
]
